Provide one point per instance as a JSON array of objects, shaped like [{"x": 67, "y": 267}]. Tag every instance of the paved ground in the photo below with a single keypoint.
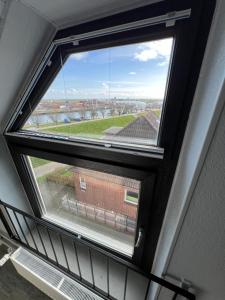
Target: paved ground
[
  {"x": 15, "y": 287},
  {"x": 47, "y": 168}
]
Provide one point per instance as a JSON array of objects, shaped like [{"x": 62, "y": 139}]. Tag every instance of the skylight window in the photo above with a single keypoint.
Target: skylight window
[
  {"x": 110, "y": 98},
  {"x": 111, "y": 95}
]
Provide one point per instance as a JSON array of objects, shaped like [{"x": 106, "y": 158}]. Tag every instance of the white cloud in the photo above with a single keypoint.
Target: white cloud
[
  {"x": 105, "y": 85},
  {"x": 125, "y": 91},
  {"x": 145, "y": 55},
  {"x": 162, "y": 63},
  {"x": 122, "y": 82},
  {"x": 79, "y": 56},
  {"x": 53, "y": 91},
  {"x": 155, "y": 50},
  {"x": 71, "y": 91},
  {"x": 142, "y": 92},
  {"x": 132, "y": 73}
]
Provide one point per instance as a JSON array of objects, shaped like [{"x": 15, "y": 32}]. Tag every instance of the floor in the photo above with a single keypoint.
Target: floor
[{"x": 15, "y": 287}]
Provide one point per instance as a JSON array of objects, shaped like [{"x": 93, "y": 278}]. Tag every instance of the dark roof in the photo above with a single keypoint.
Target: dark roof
[
  {"x": 153, "y": 119},
  {"x": 145, "y": 126}
]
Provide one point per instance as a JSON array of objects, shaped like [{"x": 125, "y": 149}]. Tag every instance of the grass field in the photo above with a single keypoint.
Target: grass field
[
  {"x": 37, "y": 162},
  {"x": 41, "y": 125},
  {"x": 93, "y": 128},
  {"x": 88, "y": 128},
  {"x": 157, "y": 112},
  {"x": 61, "y": 176}
]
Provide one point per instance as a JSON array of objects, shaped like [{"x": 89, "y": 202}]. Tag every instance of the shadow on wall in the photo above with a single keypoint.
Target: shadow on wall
[{"x": 11, "y": 189}]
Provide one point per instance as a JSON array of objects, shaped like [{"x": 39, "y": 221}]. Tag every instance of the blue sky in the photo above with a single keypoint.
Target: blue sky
[{"x": 137, "y": 71}]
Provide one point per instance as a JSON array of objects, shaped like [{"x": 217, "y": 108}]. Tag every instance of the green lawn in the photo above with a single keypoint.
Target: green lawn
[
  {"x": 37, "y": 162},
  {"x": 63, "y": 172},
  {"x": 42, "y": 179},
  {"x": 157, "y": 112},
  {"x": 93, "y": 128},
  {"x": 68, "y": 173},
  {"x": 132, "y": 199}
]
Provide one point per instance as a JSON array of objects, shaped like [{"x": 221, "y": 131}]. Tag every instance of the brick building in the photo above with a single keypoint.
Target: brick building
[{"x": 109, "y": 192}]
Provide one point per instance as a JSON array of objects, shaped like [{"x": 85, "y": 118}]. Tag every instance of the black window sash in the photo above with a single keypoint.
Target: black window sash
[
  {"x": 147, "y": 182},
  {"x": 190, "y": 36}
]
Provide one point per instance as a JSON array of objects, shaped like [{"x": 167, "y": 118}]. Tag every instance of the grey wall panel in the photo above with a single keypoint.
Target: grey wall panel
[{"x": 24, "y": 36}]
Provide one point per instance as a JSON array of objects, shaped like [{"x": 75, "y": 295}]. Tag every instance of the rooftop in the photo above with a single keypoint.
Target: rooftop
[{"x": 142, "y": 129}]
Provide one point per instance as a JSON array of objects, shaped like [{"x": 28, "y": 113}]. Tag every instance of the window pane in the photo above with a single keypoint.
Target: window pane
[
  {"x": 132, "y": 197},
  {"x": 111, "y": 95},
  {"x": 89, "y": 202}
]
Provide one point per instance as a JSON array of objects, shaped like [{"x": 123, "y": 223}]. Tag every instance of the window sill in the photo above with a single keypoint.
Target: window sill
[{"x": 95, "y": 232}]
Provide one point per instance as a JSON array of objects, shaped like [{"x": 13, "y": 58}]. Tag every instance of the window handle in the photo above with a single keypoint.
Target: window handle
[{"x": 140, "y": 237}]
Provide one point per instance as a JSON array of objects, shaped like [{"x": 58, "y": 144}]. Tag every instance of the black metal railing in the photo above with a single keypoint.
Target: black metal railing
[{"x": 88, "y": 264}]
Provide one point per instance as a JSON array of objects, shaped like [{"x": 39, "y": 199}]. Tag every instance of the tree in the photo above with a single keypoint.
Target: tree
[
  {"x": 82, "y": 113},
  {"x": 102, "y": 112},
  {"x": 120, "y": 109},
  {"x": 55, "y": 118},
  {"x": 112, "y": 111},
  {"x": 93, "y": 113},
  {"x": 112, "y": 108},
  {"x": 93, "y": 109},
  {"x": 126, "y": 108},
  {"x": 36, "y": 120}
]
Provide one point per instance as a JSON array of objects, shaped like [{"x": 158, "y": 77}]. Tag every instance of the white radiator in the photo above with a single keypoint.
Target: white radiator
[{"x": 49, "y": 280}]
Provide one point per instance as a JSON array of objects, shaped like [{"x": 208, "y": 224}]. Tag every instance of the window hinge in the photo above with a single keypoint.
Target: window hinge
[
  {"x": 171, "y": 19},
  {"x": 76, "y": 43}
]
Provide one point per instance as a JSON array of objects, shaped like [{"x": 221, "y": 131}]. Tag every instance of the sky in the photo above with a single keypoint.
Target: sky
[{"x": 136, "y": 71}]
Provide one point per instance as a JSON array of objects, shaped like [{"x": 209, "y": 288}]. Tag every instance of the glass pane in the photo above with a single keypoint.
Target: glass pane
[
  {"x": 111, "y": 95},
  {"x": 99, "y": 206}
]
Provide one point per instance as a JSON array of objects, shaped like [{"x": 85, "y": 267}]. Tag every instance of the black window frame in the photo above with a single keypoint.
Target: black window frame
[{"x": 155, "y": 167}]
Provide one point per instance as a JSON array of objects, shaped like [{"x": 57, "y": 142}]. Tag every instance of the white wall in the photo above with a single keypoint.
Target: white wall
[
  {"x": 23, "y": 36},
  {"x": 192, "y": 241},
  {"x": 199, "y": 251}
]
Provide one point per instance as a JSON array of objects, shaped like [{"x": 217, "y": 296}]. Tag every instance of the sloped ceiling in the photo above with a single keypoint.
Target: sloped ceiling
[{"x": 63, "y": 13}]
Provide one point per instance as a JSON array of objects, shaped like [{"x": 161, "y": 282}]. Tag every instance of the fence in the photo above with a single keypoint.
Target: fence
[{"x": 111, "y": 219}]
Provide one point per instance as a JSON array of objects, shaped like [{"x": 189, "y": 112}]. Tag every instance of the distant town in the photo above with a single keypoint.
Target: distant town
[{"x": 50, "y": 111}]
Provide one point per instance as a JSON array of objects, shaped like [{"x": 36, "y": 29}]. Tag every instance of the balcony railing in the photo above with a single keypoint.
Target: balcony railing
[{"x": 89, "y": 265}]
